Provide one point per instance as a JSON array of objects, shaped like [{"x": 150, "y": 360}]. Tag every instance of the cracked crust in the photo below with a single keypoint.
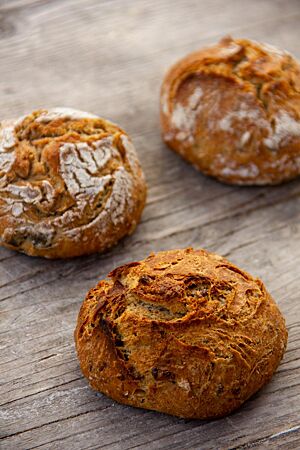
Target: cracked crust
[
  {"x": 183, "y": 332},
  {"x": 233, "y": 111},
  {"x": 70, "y": 184}
]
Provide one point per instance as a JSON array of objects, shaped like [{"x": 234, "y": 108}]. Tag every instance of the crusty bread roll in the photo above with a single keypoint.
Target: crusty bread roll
[
  {"x": 70, "y": 184},
  {"x": 233, "y": 110},
  {"x": 184, "y": 332}
]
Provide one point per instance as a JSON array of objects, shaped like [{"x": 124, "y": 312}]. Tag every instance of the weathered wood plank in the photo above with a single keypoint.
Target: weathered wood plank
[{"x": 109, "y": 57}]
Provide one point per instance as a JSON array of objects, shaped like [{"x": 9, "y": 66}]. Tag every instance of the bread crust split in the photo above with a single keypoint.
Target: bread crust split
[
  {"x": 70, "y": 184},
  {"x": 233, "y": 111},
  {"x": 183, "y": 332}
]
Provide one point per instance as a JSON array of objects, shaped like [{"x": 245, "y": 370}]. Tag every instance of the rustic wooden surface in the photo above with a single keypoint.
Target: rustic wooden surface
[{"x": 109, "y": 57}]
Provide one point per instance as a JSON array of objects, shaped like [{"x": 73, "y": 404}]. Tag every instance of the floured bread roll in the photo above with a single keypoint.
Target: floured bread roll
[
  {"x": 233, "y": 110},
  {"x": 70, "y": 184},
  {"x": 184, "y": 332}
]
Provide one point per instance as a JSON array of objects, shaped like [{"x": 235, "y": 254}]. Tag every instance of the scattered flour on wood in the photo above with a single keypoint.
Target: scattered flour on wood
[{"x": 54, "y": 402}]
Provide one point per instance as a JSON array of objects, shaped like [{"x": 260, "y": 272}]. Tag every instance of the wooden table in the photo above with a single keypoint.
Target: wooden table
[{"x": 109, "y": 57}]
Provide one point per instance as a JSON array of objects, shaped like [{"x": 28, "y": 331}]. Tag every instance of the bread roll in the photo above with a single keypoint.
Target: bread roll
[
  {"x": 184, "y": 332},
  {"x": 233, "y": 111},
  {"x": 70, "y": 184}
]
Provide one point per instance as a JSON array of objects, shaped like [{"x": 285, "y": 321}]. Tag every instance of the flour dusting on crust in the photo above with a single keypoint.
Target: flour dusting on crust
[
  {"x": 8, "y": 138},
  {"x": 120, "y": 199},
  {"x": 17, "y": 209},
  {"x": 130, "y": 153},
  {"x": 84, "y": 184},
  {"x": 184, "y": 116},
  {"x": 65, "y": 114},
  {"x": 271, "y": 49},
  {"x": 78, "y": 164},
  {"x": 120, "y": 196},
  {"x": 244, "y": 112},
  {"x": 7, "y": 142},
  {"x": 27, "y": 193},
  {"x": 286, "y": 127},
  {"x": 6, "y": 162},
  {"x": 165, "y": 104}
]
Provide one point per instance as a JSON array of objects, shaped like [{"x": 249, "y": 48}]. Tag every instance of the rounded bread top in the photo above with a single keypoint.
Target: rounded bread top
[
  {"x": 64, "y": 172},
  {"x": 233, "y": 109},
  {"x": 184, "y": 332}
]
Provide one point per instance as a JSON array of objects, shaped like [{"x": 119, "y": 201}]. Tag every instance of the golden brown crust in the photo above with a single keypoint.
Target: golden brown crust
[
  {"x": 183, "y": 332},
  {"x": 233, "y": 110},
  {"x": 70, "y": 184}
]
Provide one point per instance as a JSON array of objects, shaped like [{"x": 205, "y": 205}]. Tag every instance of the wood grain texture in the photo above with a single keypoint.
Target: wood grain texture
[{"x": 109, "y": 57}]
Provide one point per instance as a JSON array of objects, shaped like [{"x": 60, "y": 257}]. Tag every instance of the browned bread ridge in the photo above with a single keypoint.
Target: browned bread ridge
[
  {"x": 70, "y": 184},
  {"x": 184, "y": 332},
  {"x": 233, "y": 111}
]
